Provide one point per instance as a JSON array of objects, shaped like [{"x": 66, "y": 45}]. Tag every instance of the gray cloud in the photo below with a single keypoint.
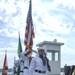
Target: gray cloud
[
  {"x": 16, "y": 13},
  {"x": 2, "y": 24}
]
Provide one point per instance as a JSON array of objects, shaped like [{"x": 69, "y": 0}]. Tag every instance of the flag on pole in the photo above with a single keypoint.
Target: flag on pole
[
  {"x": 5, "y": 66},
  {"x": 29, "y": 30},
  {"x": 19, "y": 46},
  {"x": 74, "y": 71},
  {"x": 19, "y": 51}
]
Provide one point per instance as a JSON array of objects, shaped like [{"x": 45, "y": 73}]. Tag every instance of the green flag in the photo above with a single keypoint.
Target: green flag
[
  {"x": 19, "y": 51},
  {"x": 19, "y": 46}
]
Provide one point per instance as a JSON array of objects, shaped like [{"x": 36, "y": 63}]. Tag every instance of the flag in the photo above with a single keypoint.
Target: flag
[
  {"x": 5, "y": 66},
  {"x": 19, "y": 51},
  {"x": 74, "y": 71},
  {"x": 19, "y": 46},
  {"x": 29, "y": 30}
]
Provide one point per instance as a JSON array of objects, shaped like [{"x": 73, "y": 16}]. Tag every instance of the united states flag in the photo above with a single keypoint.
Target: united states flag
[{"x": 29, "y": 30}]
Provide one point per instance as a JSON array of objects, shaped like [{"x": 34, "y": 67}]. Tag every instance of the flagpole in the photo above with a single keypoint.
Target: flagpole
[
  {"x": 14, "y": 60},
  {"x": 35, "y": 51},
  {"x": 5, "y": 51}
]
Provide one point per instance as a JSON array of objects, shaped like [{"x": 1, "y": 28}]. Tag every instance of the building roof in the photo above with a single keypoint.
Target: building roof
[{"x": 50, "y": 42}]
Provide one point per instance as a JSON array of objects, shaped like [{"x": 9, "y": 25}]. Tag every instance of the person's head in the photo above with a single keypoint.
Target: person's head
[{"x": 41, "y": 51}]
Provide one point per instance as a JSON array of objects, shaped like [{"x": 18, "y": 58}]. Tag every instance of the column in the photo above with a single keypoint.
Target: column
[{"x": 53, "y": 56}]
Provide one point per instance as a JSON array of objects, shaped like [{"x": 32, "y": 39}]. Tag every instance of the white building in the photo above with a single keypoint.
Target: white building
[{"x": 53, "y": 51}]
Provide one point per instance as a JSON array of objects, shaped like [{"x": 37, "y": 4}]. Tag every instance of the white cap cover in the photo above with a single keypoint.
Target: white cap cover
[{"x": 41, "y": 48}]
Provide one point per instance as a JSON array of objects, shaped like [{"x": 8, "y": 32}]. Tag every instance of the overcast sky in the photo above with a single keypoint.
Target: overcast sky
[{"x": 52, "y": 19}]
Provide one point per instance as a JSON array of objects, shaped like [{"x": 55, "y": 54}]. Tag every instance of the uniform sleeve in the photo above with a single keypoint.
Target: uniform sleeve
[
  {"x": 19, "y": 61},
  {"x": 22, "y": 55},
  {"x": 32, "y": 66}
]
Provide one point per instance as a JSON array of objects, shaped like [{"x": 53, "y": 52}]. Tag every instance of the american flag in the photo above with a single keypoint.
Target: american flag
[{"x": 29, "y": 30}]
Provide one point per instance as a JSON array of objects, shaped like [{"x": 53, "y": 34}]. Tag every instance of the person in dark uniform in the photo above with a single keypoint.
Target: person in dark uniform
[{"x": 67, "y": 69}]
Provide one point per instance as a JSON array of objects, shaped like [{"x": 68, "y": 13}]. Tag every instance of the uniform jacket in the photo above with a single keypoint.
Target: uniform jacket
[{"x": 37, "y": 64}]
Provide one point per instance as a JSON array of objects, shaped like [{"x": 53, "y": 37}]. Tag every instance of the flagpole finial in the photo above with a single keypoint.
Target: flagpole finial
[
  {"x": 14, "y": 58},
  {"x": 30, "y": 1},
  {"x": 19, "y": 32},
  {"x": 5, "y": 51}
]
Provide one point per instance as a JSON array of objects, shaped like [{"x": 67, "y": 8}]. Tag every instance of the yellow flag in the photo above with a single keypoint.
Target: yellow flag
[{"x": 74, "y": 71}]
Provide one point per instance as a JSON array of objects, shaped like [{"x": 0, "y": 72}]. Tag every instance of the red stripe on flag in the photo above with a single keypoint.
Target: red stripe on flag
[
  {"x": 5, "y": 66},
  {"x": 5, "y": 63}
]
